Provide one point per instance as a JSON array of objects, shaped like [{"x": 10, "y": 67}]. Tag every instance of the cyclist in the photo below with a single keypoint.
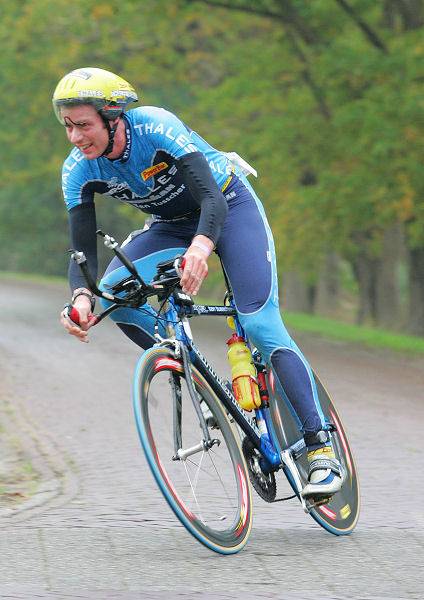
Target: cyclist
[{"x": 201, "y": 202}]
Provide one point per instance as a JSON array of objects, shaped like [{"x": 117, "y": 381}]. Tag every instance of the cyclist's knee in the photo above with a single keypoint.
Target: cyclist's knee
[
  {"x": 266, "y": 330},
  {"x": 139, "y": 336}
]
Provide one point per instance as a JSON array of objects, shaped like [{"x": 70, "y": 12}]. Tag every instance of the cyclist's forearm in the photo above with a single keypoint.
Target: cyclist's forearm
[
  {"x": 199, "y": 180},
  {"x": 82, "y": 228}
]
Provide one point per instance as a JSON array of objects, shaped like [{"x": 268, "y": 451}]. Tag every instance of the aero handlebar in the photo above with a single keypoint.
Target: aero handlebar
[{"x": 133, "y": 290}]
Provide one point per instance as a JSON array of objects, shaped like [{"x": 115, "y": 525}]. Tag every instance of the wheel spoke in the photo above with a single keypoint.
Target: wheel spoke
[
  {"x": 193, "y": 486},
  {"x": 220, "y": 479}
]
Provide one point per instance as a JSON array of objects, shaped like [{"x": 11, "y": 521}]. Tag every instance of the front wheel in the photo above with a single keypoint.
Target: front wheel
[
  {"x": 207, "y": 488},
  {"x": 340, "y": 514}
]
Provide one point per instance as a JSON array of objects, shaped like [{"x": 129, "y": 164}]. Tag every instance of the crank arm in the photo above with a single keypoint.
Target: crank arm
[{"x": 288, "y": 462}]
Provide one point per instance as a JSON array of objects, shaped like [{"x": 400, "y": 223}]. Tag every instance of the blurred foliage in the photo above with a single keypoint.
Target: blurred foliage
[{"x": 332, "y": 122}]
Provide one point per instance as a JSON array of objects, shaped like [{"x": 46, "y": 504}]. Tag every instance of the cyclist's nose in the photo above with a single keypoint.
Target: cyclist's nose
[{"x": 75, "y": 136}]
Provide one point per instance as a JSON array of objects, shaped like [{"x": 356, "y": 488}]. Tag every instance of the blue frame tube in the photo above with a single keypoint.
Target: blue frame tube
[{"x": 264, "y": 442}]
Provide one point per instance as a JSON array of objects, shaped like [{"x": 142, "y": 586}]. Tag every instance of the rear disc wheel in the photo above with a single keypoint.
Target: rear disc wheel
[{"x": 338, "y": 514}]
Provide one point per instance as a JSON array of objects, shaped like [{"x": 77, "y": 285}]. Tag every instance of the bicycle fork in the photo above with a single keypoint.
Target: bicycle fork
[{"x": 207, "y": 442}]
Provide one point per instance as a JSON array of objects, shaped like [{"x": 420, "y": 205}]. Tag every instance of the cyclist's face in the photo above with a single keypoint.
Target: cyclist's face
[{"x": 86, "y": 130}]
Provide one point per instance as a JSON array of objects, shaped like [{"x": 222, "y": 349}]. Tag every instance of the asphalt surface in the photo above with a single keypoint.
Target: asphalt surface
[{"x": 97, "y": 526}]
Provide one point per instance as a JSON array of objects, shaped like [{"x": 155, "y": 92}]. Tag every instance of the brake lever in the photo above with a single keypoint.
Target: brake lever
[
  {"x": 73, "y": 314},
  {"x": 179, "y": 264}
]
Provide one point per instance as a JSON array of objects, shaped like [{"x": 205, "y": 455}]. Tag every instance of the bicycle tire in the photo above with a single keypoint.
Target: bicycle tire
[
  {"x": 340, "y": 515},
  {"x": 197, "y": 504}
]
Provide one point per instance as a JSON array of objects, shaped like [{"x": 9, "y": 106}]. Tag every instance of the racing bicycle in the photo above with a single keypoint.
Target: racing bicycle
[{"x": 205, "y": 452}]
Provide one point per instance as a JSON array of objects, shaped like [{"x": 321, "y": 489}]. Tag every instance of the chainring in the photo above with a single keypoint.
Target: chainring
[{"x": 264, "y": 485}]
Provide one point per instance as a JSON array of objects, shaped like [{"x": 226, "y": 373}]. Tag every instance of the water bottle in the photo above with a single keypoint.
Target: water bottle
[{"x": 245, "y": 385}]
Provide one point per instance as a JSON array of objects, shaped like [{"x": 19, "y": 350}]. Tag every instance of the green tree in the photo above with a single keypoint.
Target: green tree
[
  {"x": 323, "y": 98},
  {"x": 347, "y": 130}
]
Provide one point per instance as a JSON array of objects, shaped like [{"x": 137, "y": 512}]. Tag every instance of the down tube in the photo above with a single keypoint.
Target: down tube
[{"x": 245, "y": 422}]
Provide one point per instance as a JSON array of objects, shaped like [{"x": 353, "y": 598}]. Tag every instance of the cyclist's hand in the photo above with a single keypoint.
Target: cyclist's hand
[
  {"x": 195, "y": 265},
  {"x": 82, "y": 305}
]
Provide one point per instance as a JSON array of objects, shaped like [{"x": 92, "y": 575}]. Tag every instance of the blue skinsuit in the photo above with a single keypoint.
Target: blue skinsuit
[{"x": 148, "y": 177}]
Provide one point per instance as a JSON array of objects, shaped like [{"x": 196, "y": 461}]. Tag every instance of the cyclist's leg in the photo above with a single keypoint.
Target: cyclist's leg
[
  {"x": 162, "y": 241},
  {"x": 247, "y": 251}
]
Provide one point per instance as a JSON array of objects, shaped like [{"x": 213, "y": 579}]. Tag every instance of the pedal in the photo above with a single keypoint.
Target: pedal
[
  {"x": 312, "y": 503},
  {"x": 318, "y": 501}
]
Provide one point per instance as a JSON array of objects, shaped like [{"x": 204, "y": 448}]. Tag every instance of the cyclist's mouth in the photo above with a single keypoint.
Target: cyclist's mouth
[{"x": 85, "y": 148}]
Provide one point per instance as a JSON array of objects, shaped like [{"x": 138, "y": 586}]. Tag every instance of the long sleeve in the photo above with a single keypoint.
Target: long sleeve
[{"x": 82, "y": 228}]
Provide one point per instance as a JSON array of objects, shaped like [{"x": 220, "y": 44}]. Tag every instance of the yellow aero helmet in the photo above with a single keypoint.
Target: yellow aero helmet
[{"x": 107, "y": 92}]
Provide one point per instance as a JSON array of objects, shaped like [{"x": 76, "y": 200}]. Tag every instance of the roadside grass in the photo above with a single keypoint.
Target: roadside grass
[
  {"x": 32, "y": 277},
  {"x": 369, "y": 336},
  {"x": 302, "y": 322}
]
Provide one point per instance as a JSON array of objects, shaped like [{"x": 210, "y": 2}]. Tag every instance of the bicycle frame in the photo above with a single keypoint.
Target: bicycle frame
[{"x": 260, "y": 431}]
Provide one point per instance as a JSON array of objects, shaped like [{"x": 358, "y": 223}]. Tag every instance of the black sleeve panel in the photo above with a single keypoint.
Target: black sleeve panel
[
  {"x": 82, "y": 228},
  {"x": 198, "y": 178}
]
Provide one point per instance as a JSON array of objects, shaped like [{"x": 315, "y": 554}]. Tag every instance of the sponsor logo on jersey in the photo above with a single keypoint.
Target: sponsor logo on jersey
[{"x": 154, "y": 170}]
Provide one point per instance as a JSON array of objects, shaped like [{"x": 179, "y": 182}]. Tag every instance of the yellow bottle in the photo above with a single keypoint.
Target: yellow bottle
[{"x": 245, "y": 385}]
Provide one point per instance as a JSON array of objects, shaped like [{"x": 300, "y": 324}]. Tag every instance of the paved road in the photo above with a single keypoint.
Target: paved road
[{"x": 98, "y": 527}]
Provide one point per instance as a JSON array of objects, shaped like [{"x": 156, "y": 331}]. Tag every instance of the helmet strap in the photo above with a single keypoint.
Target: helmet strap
[{"x": 111, "y": 131}]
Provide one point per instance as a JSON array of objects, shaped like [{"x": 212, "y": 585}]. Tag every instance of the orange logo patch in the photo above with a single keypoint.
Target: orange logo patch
[{"x": 154, "y": 170}]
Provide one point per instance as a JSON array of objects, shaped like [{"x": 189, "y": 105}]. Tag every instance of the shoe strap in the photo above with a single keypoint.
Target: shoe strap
[
  {"x": 320, "y": 464},
  {"x": 324, "y": 452}
]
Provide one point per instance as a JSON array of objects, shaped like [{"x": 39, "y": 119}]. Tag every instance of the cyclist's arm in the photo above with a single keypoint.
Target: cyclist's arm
[
  {"x": 169, "y": 134},
  {"x": 82, "y": 226},
  {"x": 82, "y": 229},
  {"x": 198, "y": 178}
]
